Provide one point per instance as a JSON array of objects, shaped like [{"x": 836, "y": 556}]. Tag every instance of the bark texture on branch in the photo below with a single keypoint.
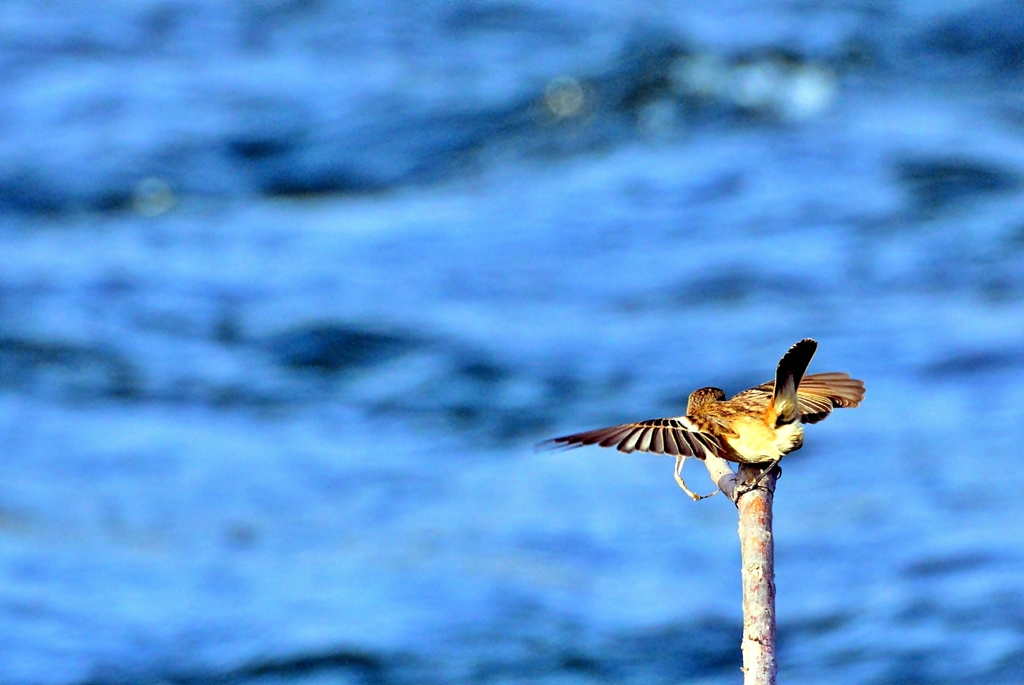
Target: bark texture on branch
[
  {"x": 757, "y": 549},
  {"x": 722, "y": 474}
]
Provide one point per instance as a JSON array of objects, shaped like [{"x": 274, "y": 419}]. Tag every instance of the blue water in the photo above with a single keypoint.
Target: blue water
[{"x": 289, "y": 291}]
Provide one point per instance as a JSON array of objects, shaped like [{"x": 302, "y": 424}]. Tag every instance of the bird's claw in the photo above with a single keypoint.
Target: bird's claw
[
  {"x": 680, "y": 460},
  {"x": 744, "y": 488}
]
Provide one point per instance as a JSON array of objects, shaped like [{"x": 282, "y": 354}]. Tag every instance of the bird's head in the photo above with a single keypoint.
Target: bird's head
[{"x": 702, "y": 397}]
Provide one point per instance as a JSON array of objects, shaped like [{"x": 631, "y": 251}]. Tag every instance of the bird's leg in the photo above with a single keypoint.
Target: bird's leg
[
  {"x": 680, "y": 461},
  {"x": 744, "y": 489}
]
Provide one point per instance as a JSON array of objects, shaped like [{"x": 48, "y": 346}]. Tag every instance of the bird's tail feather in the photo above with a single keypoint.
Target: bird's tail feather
[{"x": 784, "y": 407}]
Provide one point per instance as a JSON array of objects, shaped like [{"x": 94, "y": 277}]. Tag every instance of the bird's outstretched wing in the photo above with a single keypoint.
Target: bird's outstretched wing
[
  {"x": 817, "y": 394},
  {"x": 677, "y": 436}
]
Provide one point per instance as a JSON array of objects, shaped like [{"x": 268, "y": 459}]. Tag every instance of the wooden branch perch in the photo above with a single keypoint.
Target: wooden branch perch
[{"x": 757, "y": 551}]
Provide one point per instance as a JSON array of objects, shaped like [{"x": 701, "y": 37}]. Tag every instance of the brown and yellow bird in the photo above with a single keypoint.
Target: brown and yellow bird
[{"x": 758, "y": 426}]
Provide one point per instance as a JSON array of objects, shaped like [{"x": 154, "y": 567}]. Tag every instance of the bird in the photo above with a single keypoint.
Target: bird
[{"x": 760, "y": 425}]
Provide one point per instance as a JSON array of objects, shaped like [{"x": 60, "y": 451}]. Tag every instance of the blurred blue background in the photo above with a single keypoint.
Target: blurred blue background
[{"x": 290, "y": 288}]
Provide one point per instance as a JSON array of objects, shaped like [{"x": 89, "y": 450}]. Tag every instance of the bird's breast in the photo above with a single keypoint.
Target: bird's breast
[{"x": 755, "y": 442}]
